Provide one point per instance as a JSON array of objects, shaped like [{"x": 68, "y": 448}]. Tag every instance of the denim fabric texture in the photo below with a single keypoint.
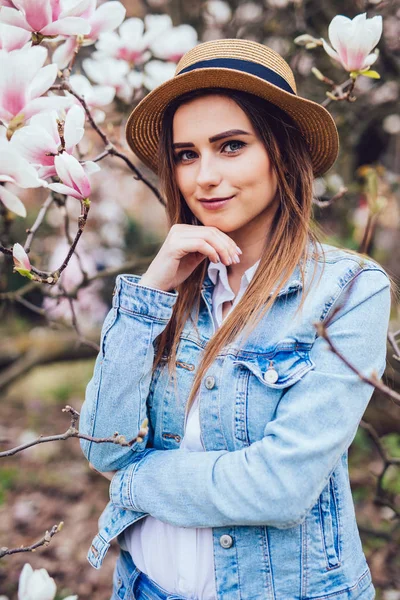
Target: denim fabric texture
[{"x": 273, "y": 482}]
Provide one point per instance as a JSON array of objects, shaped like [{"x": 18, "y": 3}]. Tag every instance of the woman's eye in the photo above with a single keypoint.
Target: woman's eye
[
  {"x": 181, "y": 155},
  {"x": 235, "y": 145}
]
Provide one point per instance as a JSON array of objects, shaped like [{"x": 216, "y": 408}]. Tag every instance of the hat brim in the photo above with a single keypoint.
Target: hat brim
[{"x": 314, "y": 121}]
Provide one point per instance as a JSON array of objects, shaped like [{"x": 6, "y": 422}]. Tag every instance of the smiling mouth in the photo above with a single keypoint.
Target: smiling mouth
[{"x": 214, "y": 199}]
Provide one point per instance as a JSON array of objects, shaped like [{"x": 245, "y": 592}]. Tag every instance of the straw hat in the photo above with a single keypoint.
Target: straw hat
[{"x": 240, "y": 65}]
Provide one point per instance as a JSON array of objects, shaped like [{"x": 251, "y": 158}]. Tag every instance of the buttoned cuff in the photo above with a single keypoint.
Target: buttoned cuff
[
  {"x": 122, "y": 484},
  {"x": 130, "y": 295}
]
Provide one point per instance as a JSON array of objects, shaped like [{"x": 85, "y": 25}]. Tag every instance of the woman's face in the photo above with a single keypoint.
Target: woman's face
[{"x": 218, "y": 155}]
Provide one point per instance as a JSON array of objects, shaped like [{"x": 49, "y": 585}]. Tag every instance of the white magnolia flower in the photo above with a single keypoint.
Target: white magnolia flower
[
  {"x": 353, "y": 40},
  {"x": 110, "y": 72},
  {"x": 218, "y": 12},
  {"x": 36, "y": 585},
  {"x": 156, "y": 72},
  {"x": 174, "y": 43}
]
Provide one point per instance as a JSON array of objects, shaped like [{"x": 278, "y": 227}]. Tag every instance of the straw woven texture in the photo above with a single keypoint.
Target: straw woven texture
[{"x": 314, "y": 121}]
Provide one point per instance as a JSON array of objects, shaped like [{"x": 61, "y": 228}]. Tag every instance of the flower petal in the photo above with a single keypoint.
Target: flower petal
[
  {"x": 43, "y": 80},
  {"x": 13, "y": 165},
  {"x": 45, "y": 103},
  {"x": 20, "y": 257},
  {"x": 37, "y": 12},
  {"x": 71, "y": 173},
  {"x": 13, "y": 38},
  {"x": 18, "y": 69},
  {"x": 72, "y": 8},
  {"x": 329, "y": 50},
  {"x": 371, "y": 58},
  {"x": 74, "y": 126},
  {"x": 131, "y": 30},
  {"x": 12, "y": 202},
  {"x": 67, "y": 26},
  {"x": 106, "y": 18},
  {"x": 90, "y": 167},
  {"x": 174, "y": 42},
  {"x": 33, "y": 143},
  {"x": 65, "y": 189},
  {"x": 12, "y": 16},
  {"x": 63, "y": 55},
  {"x": 23, "y": 585}
]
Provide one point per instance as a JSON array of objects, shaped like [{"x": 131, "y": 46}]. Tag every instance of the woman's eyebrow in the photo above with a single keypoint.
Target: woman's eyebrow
[{"x": 214, "y": 138}]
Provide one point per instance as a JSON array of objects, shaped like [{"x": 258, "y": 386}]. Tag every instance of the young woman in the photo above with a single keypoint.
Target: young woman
[{"x": 239, "y": 490}]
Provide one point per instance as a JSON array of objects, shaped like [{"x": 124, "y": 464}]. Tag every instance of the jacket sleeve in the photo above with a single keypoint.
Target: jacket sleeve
[
  {"x": 278, "y": 479},
  {"x": 115, "y": 398}
]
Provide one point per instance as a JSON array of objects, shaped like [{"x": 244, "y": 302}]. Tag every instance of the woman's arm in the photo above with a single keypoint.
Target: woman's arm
[
  {"x": 116, "y": 395},
  {"x": 276, "y": 480}
]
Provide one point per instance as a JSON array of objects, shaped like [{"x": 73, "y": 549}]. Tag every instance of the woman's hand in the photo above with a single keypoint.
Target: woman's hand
[
  {"x": 183, "y": 250},
  {"x": 107, "y": 474}
]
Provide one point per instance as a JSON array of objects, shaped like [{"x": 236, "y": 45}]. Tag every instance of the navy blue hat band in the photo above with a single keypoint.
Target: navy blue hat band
[{"x": 245, "y": 66}]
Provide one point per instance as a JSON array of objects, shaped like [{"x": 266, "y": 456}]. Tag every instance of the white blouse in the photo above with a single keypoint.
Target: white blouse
[{"x": 181, "y": 559}]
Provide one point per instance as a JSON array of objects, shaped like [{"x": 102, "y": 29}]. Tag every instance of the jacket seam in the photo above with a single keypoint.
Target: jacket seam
[{"x": 325, "y": 316}]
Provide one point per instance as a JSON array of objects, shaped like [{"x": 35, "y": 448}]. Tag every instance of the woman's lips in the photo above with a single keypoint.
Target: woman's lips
[{"x": 214, "y": 204}]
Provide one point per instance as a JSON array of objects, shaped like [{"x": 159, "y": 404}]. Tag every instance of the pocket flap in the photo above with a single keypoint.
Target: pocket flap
[{"x": 285, "y": 366}]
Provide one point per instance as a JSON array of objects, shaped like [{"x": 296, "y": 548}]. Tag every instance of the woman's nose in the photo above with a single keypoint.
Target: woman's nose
[{"x": 208, "y": 173}]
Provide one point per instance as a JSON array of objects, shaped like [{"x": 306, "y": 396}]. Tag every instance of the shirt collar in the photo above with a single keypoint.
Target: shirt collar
[{"x": 215, "y": 269}]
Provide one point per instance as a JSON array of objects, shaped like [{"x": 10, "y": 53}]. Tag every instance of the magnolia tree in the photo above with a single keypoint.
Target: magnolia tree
[{"x": 50, "y": 113}]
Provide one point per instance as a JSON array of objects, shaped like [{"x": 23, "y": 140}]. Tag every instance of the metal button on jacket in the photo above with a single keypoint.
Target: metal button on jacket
[
  {"x": 226, "y": 541},
  {"x": 210, "y": 382},
  {"x": 271, "y": 376}
]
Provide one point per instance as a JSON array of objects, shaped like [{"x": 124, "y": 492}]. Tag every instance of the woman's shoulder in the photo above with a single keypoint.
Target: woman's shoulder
[
  {"x": 343, "y": 258},
  {"x": 333, "y": 269}
]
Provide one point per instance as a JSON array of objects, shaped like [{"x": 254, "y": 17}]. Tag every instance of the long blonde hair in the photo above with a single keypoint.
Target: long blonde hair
[{"x": 288, "y": 241}]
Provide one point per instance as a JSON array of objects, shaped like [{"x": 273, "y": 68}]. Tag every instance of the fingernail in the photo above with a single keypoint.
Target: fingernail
[{"x": 239, "y": 250}]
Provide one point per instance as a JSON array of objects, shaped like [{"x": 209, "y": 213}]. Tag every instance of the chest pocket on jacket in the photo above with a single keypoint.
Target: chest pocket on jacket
[{"x": 260, "y": 383}]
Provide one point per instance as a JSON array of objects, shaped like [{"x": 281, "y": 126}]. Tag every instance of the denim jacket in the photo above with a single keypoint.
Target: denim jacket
[{"x": 273, "y": 482}]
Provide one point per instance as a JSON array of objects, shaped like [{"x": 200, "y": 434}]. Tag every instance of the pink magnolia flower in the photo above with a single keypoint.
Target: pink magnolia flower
[
  {"x": 23, "y": 80},
  {"x": 75, "y": 181},
  {"x": 353, "y": 40},
  {"x": 110, "y": 72},
  {"x": 106, "y": 18},
  {"x": 156, "y": 72},
  {"x": 12, "y": 38},
  {"x": 15, "y": 169},
  {"x": 47, "y": 17},
  {"x": 39, "y": 142},
  {"x": 21, "y": 260},
  {"x": 174, "y": 42},
  {"x": 131, "y": 42}
]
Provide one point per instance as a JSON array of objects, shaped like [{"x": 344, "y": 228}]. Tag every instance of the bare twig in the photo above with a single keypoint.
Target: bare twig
[
  {"x": 109, "y": 146},
  {"x": 37, "y": 223},
  {"x": 44, "y": 541},
  {"x": 73, "y": 432},
  {"x": 338, "y": 196}
]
